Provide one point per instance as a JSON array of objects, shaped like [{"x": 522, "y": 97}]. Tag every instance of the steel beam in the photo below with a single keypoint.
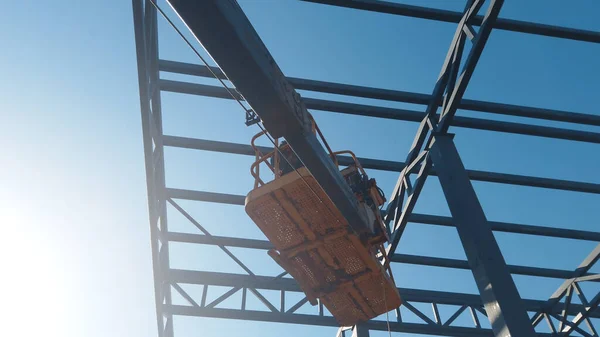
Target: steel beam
[
  {"x": 448, "y": 89},
  {"x": 507, "y": 227},
  {"x": 315, "y": 320},
  {"x": 437, "y": 220},
  {"x": 146, "y": 42},
  {"x": 217, "y": 240},
  {"x": 399, "y": 114},
  {"x": 462, "y": 264},
  {"x": 386, "y": 165},
  {"x": 398, "y": 258},
  {"x": 452, "y": 16},
  {"x": 591, "y": 277},
  {"x": 583, "y": 268},
  {"x": 290, "y": 285},
  {"x": 582, "y": 316},
  {"x": 397, "y": 95},
  {"x": 220, "y": 198},
  {"x": 500, "y": 296},
  {"x": 228, "y": 36}
]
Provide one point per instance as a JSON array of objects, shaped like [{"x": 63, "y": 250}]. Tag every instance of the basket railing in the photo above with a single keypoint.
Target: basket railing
[{"x": 275, "y": 166}]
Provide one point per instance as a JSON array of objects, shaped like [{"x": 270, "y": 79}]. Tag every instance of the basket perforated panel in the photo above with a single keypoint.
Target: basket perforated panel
[
  {"x": 317, "y": 210},
  {"x": 347, "y": 256},
  {"x": 312, "y": 270},
  {"x": 343, "y": 308},
  {"x": 379, "y": 293},
  {"x": 274, "y": 222},
  {"x": 324, "y": 254}
]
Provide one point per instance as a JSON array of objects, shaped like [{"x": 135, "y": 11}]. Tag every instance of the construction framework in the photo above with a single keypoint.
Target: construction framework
[{"x": 222, "y": 27}]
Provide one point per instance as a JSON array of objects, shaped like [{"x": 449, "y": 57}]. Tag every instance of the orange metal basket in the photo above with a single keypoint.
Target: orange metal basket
[{"x": 315, "y": 244}]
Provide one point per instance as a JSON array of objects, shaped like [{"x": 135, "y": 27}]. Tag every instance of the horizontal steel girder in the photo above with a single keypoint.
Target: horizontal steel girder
[
  {"x": 386, "y": 165},
  {"x": 288, "y": 284},
  {"x": 452, "y": 16},
  {"x": 233, "y": 199},
  {"x": 398, "y": 114},
  {"x": 316, "y": 320},
  {"x": 399, "y": 258},
  {"x": 397, "y": 96},
  {"x": 228, "y": 36}
]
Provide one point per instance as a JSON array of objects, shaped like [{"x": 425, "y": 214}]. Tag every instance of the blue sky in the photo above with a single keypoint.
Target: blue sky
[{"x": 74, "y": 199}]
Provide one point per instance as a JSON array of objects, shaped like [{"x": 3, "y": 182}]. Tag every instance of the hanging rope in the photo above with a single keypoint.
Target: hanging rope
[{"x": 387, "y": 316}]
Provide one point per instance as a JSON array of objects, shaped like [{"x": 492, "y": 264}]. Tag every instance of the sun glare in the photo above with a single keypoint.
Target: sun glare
[{"x": 33, "y": 278}]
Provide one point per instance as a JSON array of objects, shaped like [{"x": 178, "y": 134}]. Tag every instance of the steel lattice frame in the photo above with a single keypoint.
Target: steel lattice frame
[{"x": 431, "y": 137}]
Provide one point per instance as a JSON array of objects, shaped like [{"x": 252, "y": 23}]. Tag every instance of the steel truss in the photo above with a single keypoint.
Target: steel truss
[{"x": 431, "y": 138}]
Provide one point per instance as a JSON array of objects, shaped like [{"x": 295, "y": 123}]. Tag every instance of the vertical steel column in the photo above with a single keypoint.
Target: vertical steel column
[
  {"x": 499, "y": 294},
  {"x": 158, "y": 154},
  {"x": 146, "y": 38}
]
